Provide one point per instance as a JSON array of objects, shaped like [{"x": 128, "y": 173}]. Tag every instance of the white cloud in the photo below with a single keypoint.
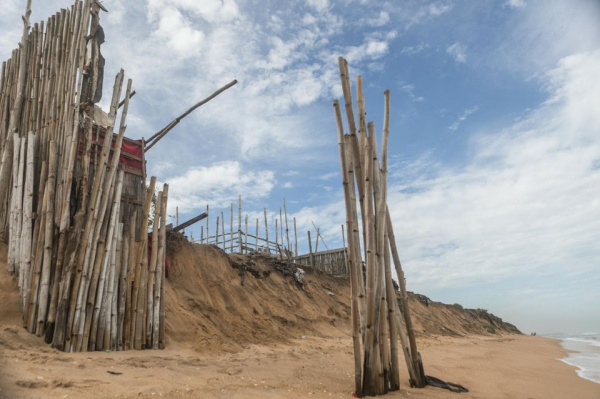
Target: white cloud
[
  {"x": 458, "y": 51},
  {"x": 383, "y": 18},
  {"x": 515, "y": 3},
  {"x": 318, "y": 5},
  {"x": 412, "y": 50},
  {"x": 409, "y": 89},
  {"x": 543, "y": 32},
  {"x": 429, "y": 11},
  {"x": 217, "y": 185},
  {"x": 463, "y": 117},
  {"x": 328, "y": 176},
  {"x": 287, "y": 184},
  {"x": 525, "y": 202},
  {"x": 178, "y": 33}
]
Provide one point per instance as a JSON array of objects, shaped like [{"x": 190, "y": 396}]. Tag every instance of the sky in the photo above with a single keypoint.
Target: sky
[{"x": 494, "y": 148}]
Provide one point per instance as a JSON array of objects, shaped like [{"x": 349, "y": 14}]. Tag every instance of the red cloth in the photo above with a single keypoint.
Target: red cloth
[{"x": 132, "y": 154}]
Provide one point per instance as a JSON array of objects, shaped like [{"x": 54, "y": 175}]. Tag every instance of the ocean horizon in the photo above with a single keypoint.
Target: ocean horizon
[{"x": 585, "y": 353}]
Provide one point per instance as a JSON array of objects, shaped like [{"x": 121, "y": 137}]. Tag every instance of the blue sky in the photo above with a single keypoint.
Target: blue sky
[{"x": 495, "y": 130}]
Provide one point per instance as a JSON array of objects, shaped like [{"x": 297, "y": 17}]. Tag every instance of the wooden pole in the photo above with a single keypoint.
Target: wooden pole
[
  {"x": 48, "y": 239},
  {"x": 255, "y": 237},
  {"x": 353, "y": 266},
  {"x": 266, "y": 229},
  {"x": 287, "y": 231},
  {"x": 245, "y": 238},
  {"x": 207, "y": 220},
  {"x": 312, "y": 259},
  {"x": 231, "y": 229},
  {"x": 7, "y": 154},
  {"x": 159, "y": 296},
  {"x": 160, "y": 134},
  {"x": 240, "y": 250},
  {"x": 189, "y": 222},
  {"x": 295, "y": 240},
  {"x": 223, "y": 230},
  {"x": 281, "y": 226},
  {"x": 420, "y": 379},
  {"x": 152, "y": 272},
  {"x": 217, "y": 233}
]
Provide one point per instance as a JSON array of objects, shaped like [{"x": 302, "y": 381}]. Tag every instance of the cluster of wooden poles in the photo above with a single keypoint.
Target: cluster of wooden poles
[
  {"x": 84, "y": 276},
  {"x": 243, "y": 241},
  {"x": 377, "y": 320}
]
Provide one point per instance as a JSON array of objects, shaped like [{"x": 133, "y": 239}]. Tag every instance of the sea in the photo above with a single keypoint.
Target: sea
[{"x": 585, "y": 355}]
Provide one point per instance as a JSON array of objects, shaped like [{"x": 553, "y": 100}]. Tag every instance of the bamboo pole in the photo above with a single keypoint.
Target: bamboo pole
[
  {"x": 223, "y": 230},
  {"x": 281, "y": 226},
  {"x": 26, "y": 230},
  {"x": 217, "y": 233},
  {"x": 255, "y": 237},
  {"x": 128, "y": 230},
  {"x": 231, "y": 228},
  {"x": 394, "y": 377},
  {"x": 295, "y": 240},
  {"x": 277, "y": 236},
  {"x": 7, "y": 154},
  {"x": 240, "y": 225},
  {"x": 163, "y": 239},
  {"x": 141, "y": 269},
  {"x": 353, "y": 266},
  {"x": 158, "y": 323},
  {"x": 160, "y": 134},
  {"x": 207, "y": 217},
  {"x": 152, "y": 271},
  {"x": 312, "y": 259},
  {"x": 420, "y": 379},
  {"x": 48, "y": 239},
  {"x": 346, "y": 269},
  {"x": 356, "y": 248},
  {"x": 266, "y": 228},
  {"x": 245, "y": 237},
  {"x": 287, "y": 231},
  {"x": 79, "y": 310}
]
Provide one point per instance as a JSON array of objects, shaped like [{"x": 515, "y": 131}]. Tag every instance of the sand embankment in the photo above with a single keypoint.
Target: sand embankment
[{"x": 228, "y": 340}]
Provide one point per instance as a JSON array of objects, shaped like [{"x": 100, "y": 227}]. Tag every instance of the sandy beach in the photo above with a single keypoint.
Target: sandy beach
[
  {"x": 502, "y": 367},
  {"x": 320, "y": 365}
]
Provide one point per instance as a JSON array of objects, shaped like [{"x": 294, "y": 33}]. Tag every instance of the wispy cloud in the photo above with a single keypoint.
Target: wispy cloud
[
  {"x": 515, "y": 3},
  {"x": 458, "y": 51},
  {"x": 383, "y": 18},
  {"x": 412, "y": 50},
  {"x": 409, "y": 89},
  {"x": 526, "y": 200},
  {"x": 463, "y": 117},
  {"x": 430, "y": 11}
]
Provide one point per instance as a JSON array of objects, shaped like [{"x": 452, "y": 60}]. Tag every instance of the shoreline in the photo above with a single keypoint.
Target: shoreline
[{"x": 582, "y": 354}]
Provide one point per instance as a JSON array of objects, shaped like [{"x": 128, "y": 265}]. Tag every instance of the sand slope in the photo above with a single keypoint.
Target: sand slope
[{"x": 269, "y": 339}]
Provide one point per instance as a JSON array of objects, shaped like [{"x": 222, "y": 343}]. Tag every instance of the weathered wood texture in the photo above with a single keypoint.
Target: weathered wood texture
[
  {"x": 376, "y": 319},
  {"x": 71, "y": 201}
]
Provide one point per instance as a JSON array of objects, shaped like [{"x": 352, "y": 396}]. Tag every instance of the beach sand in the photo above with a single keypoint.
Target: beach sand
[{"x": 501, "y": 367}]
